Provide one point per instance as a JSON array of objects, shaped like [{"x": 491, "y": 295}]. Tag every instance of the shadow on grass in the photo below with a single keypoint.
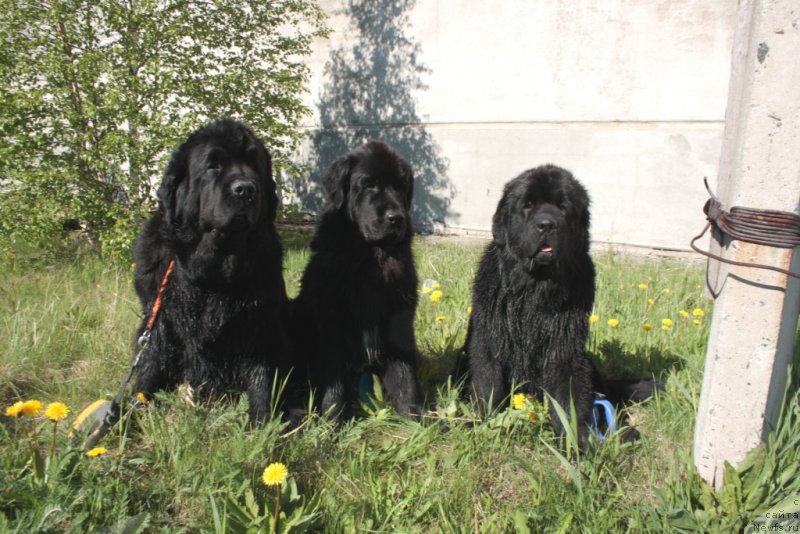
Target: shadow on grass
[
  {"x": 617, "y": 361},
  {"x": 436, "y": 366},
  {"x": 295, "y": 237}
]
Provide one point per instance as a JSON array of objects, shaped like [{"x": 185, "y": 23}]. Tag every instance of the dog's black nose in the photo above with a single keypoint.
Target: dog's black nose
[
  {"x": 243, "y": 189},
  {"x": 545, "y": 224},
  {"x": 394, "y": 217}
]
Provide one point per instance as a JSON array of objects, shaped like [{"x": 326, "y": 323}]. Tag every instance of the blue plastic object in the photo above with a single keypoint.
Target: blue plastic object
[
  {"x": 366, "y": 389},
  {"x": 603, "y": 418}
]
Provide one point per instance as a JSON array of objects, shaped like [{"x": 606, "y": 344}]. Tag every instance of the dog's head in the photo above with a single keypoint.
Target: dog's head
[
  {"x": 372, "y": 185},
  {"x": 219, "y": 180},
  {"x": 543, "y": 218}
]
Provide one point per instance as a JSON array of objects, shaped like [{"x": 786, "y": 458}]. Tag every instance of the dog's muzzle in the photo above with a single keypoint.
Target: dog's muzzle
[{"x": 244, "y": 191}]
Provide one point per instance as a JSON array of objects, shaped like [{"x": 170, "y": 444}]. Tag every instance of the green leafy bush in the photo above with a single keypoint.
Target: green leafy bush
[{"x": 96, "y": 93}]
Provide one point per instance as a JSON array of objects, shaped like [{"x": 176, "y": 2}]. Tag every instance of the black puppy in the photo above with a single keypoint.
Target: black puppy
[
  {"x": 355, "y": 310},
  {"x": 533, "y": 295},
  {"x": 222, "y": 325}
]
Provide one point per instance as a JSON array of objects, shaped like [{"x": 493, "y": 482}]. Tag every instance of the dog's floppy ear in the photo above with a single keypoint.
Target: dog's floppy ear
[
  {"x": 582, "y": 206},
  {"x": 501, "y": 217},
  {"x": 264, "y": 166},
  {"x": 336, "y": 181},
  {"x": 405, "y": 167},
  {"x": 272, "y": 189},
  {"x": 176, "y": 173},
  {"x": 579, "y": 197},
  {"x": 499, "y": 222}
]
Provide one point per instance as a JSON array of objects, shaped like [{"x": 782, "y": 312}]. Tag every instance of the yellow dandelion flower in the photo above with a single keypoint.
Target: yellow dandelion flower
[
  {"x": 518, "y": 401},
  {"x": 436, "y": 285},
  {"x": 642, "y": 286},
  {"x": 56, "y": 411},
  {"x": 697, "y": 322},
  {"x": 613, "y": 323},
  {"x": 469, "y": 309},
  {"x": 427, "y": 289},
  {"x": 440, "y": 318},
  {"x": 683, "y": 313},
  {"x": 647, "y": 327},
  {"x": 665, "y": 327},
  {"x": 666, "y": 321},
  {"x": 697, "y": 312},
  {"x": 31, "y": 408},
  {"x": 593, "y": 318},
  {"x": 436, "y": 295},
  {"x": 665, "y": 290},
  {"x": 651, "y": 301},
  {"x": 97, "y": 451},
  {"x": 141, "y": 397},
  {"x": 274, "y": 474},
  {"x": 15, "y": 410}
]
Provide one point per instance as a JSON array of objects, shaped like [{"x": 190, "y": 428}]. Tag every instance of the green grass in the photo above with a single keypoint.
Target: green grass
[{"x": 66, "y": 334}]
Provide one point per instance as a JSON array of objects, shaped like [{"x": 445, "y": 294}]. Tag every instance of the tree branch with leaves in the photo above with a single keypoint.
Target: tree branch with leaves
[{"x": 96, "y": 94}]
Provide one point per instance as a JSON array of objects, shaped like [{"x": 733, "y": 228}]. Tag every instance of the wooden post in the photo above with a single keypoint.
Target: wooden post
[{"x": 755, "y": 316}]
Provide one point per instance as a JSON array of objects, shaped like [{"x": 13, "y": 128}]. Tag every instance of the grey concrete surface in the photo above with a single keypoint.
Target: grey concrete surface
[
  {"x": 754, "y": 325},
  {"x": 629, "y": 96}
]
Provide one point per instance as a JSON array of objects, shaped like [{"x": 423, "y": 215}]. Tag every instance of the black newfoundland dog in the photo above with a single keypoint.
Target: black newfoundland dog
[
  {"x": 222, "y": 321},
  {"x": 355, "y": 310},
  {"x": 533, "y": 295}
]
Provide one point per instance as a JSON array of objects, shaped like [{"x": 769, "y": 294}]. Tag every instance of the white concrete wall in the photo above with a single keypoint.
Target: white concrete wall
[{"x": 628, "y": 95}]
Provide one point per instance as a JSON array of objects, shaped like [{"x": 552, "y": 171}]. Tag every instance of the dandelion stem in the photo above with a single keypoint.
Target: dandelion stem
[
  {"x": 277, "y": 508},
  {"x": 53, "y": 442}
]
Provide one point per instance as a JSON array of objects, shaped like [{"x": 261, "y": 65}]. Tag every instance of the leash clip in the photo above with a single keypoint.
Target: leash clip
[{"x": 144, "y": 340}]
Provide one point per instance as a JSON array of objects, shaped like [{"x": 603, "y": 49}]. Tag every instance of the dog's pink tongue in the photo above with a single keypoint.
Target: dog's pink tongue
[{"x": 547, "y": 249}]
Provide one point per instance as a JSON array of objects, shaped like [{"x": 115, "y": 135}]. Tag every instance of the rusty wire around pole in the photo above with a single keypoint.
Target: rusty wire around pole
[{"x": 762, "y": 227}]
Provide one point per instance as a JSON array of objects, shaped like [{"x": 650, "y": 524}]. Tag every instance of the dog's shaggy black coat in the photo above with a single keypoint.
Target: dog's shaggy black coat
[
  {"x": 355, "y": 310},
  {"x": 533, "y": 294},
  {"x": 222, "y": 324}
]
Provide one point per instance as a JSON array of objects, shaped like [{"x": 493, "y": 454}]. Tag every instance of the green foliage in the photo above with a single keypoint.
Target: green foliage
[
  {"x": 176, "y": 466},
  {"x": 252, "y": 514},
  {"x": 95, "y": 95},
  {"x": 762, "y": 493},
  {"x": 37, "y": 489}
]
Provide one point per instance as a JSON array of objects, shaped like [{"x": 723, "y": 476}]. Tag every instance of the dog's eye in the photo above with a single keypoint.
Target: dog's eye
[
  {"x": 213, "y": 172},
  {"x": 527, "y": 205}
]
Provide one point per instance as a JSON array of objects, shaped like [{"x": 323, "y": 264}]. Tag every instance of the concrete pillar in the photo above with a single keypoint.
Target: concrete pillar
[{"x": 755, "y": 315}]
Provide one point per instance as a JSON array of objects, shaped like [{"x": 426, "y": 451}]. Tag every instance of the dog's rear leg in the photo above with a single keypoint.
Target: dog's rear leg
[
  {"x": 400, "y": 382},
  {"x": 259, "y": 393},
  {"x": 572, "y": 387},
  {"x": 488, "y": 386},
  {"x": 333, "y": 399}
]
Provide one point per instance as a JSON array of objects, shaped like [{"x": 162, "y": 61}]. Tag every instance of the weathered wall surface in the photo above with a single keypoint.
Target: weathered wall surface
[{"x": 628, "y": 95}]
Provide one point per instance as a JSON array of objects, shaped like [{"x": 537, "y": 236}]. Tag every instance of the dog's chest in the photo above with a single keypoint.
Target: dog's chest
[
  {"x": 207, "y": 321},
  {"x": 380, "y": 308},
  {"x": 372, "y": 311},
  {"x": 538, "y": 327}
]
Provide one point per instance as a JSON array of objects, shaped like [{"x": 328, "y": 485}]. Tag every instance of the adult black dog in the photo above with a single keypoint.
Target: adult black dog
[
  {"x": 221, "y": 326},
  {"x": 533, "y": 294},
  {"x": 355, "y": 310}
]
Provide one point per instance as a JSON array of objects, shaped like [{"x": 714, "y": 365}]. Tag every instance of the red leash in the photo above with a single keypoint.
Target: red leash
[
  {"x": 157, "y": 304},
  {"x": 104, "y": 414},
  {"x": 144, "y": 339}
]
